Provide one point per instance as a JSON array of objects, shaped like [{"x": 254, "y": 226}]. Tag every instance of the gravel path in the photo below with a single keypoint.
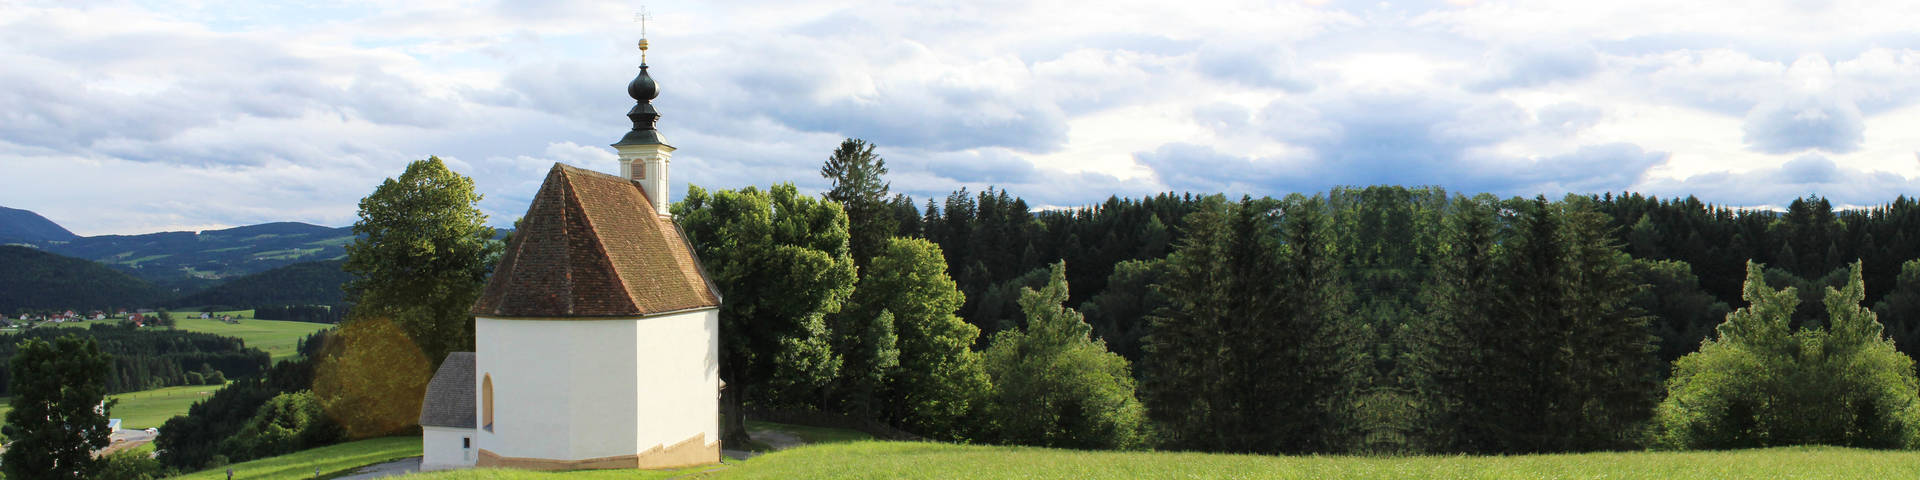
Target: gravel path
[{"x": 390, "y": 469}]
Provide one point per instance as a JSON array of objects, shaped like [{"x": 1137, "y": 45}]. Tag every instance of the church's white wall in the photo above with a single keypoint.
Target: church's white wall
[
  {"x": 679, "y": 394},
  {"x": 442, "y": 448},
  {"x": 583, "y": 389}
]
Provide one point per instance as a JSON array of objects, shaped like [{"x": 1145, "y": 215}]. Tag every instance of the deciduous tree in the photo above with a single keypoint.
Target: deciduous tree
[
  {"x": 58, "y": 417},
  {"x": 782, "y": 263},
  {"x": 422, "y": 256}
]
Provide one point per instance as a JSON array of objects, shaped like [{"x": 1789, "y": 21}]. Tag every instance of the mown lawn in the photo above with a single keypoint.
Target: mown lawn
[
  {"x": 147, "y": 408},
  {"x": 330, "y": 461}
]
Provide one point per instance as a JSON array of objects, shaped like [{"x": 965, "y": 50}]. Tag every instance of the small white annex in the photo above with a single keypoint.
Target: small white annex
[{"x": 597, "y": 337}]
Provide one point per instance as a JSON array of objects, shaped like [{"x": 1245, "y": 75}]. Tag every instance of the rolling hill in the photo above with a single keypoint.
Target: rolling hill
[
  {"x": 184, "y": 262},
  {"x": 23, "y": 226},
  {"x": 32, "y": 279}
]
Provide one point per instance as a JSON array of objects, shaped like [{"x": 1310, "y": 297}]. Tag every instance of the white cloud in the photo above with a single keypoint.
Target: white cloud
[{"x": 293, "y": 111}]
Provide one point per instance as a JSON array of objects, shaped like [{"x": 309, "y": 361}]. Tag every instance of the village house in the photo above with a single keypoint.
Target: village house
[{"x": 596, "y": 338}]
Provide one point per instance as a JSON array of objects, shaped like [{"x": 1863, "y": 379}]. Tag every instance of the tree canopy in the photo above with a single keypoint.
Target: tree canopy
[
  {"x": 422, "y": 256},
  {"x": 57, "y": 421}
]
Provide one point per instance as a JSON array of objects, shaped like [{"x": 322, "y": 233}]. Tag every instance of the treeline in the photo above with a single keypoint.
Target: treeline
[
  {"x": 1360, "y": 320},
  {"x": 144, "y": 359},
  {"x": 306, "y": 283},
  {"x": 303, "y": 313}
]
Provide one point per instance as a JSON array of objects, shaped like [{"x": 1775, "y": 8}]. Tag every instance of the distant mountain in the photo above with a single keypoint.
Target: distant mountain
[
  {"x": 305, "y": 283},
  {"x": 24, "y": 226},
  {"x": 32, "y": 279},
  {"x": 185, "y": 262}
]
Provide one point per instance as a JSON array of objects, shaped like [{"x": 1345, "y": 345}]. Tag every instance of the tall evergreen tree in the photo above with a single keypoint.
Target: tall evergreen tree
[
  {"x": 1900, "y": 310},
  {"x": 859, "y": 185},
  {"x": 1247, "y": 356}
]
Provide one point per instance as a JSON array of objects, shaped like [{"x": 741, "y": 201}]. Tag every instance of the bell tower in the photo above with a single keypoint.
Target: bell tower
[{"x": 644, "y": 153}]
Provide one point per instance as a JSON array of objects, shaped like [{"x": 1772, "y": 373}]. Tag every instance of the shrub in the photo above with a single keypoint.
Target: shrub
[
  {"x": 129, "y": 464},
  {"x": 288, "y": 423}
]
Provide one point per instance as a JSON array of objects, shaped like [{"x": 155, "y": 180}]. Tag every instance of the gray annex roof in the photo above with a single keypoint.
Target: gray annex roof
[{"x": 449, "y": 401}]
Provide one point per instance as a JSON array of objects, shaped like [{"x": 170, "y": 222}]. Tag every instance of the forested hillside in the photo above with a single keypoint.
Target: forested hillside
[
  {"x": 34, "y": 280},
  {"x": 305, "y": 283},
  {"x": 27, "y": 227}
]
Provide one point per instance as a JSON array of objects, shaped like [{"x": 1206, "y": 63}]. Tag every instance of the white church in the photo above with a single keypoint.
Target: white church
[{"x": 597, "y": 338}]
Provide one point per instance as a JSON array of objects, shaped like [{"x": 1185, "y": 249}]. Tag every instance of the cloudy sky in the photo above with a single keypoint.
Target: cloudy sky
[{"x": 133, "y": 117}]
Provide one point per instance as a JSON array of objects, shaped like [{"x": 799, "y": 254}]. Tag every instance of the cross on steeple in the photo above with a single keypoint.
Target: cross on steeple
[{"x": 641, "y": 17}]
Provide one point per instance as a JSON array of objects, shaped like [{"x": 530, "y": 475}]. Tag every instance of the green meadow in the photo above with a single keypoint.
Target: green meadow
[
  {"x": 148, "y": 408},
  {"x": 277, "y": 338}
]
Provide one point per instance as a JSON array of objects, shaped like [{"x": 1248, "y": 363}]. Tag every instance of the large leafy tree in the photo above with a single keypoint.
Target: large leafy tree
[
  {"x": 1761, "y": 383},
  {"x": 1054, "y": 384},
  {"x": 55, "y": 425},
  {"x": 859, "y": 186},
  {"x": 782, "y": 263},
  {"x": 422, "y": 256},
  {"x": 939, "y": 377}
]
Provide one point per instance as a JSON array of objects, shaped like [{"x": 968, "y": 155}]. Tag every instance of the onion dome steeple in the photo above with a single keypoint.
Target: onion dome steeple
[{"x": 644, "y": 117}]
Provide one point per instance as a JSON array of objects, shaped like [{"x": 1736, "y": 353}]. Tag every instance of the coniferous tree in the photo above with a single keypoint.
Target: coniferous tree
[
  {"x": 1445, "y": 364},
  {"x": 859, "y": 185},
  {"x": 1247, "y": 356},
  {"x": 1900, "y": 310}
]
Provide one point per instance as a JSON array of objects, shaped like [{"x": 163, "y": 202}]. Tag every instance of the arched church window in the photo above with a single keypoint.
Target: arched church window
[{"x": 486, "y": 402}]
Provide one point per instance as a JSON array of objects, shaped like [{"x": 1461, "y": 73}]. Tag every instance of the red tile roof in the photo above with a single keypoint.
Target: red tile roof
[{"x": 592, "y": 246}]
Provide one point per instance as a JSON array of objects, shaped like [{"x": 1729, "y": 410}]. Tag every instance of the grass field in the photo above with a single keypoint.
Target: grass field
[
  {"x": 872, "y": 459},
  {"x": 277, "y": 338},
  {"x": 330, "y": 461},
  {"x": 148, "y": 408}
]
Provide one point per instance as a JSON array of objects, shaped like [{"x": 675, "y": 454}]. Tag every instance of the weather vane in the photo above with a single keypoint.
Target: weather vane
[{"x": 642, "y": 16}]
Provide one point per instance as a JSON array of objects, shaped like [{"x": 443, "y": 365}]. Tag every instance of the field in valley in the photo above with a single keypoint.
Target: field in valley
[{"x": 149, "y": 408}]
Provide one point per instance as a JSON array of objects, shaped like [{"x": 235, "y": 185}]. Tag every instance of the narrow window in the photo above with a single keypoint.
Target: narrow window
[
  {"x": 466, "y": 442},
  {"x": 486, "y": 402}
]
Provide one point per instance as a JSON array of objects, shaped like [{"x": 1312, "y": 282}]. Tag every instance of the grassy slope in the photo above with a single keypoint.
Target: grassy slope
[{"x": 329, "y": 460}]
